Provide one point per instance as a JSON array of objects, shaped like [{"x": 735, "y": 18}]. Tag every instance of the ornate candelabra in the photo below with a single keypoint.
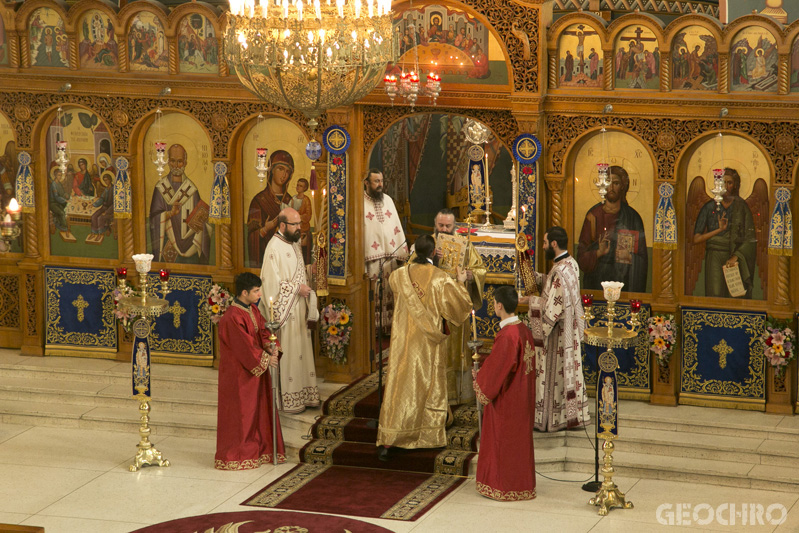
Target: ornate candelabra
[
  {"x": 9, "y": 227},
  {"x": 274, "y": 374},
  {"x": 475, "y": 345},
  {"x": 609, "y": 496},
  {"x": 144, "y": 306}
]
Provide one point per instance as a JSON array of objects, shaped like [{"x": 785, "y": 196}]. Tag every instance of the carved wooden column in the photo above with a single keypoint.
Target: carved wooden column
[
  {"x": 31, "y": 236},
  {"x": 666, "y": 294},
  {"x": 665, "y": 72},
  {"x": 13, "y": 49},
  {"x": 173, "y": 57},
  {"x": 223, "y": 66},
  {"x": 609, "y": 71},
  {"x": 553, "y": 68},
  {"x": 32, "y": 312},
  {"x": 74, "y": 59},
  {"x": 555, "y": 187},
  {"x": 783, "y": 281},
  {"x": 122, "y": 45},
  {"x": 724, "y": 73},
  {"x": 784, "y": 75},
  {"x": 127, "y": 239},
  {"x": 25, "y": 49}
]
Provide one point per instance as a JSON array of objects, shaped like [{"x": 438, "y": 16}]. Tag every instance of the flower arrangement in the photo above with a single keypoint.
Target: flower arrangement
[
  {"x": 335, "y": 329},
  {"x": 126, "y": 318},
  {"x": 217, "y": 302},
  {"x": 778, "y": 340},
  {"x": 662, "y": 334}
]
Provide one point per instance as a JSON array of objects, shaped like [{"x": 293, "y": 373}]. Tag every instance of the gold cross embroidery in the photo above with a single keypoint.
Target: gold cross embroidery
[
  {"x": 80, "y": 304},
  {"x": 723, "y": 349},
  {"x": 529, "y": 353},
  {"x": 176, "y": 311}
]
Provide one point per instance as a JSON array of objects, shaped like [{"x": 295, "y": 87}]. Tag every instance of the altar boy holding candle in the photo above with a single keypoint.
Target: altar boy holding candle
[{"x": 505, "y": 385}]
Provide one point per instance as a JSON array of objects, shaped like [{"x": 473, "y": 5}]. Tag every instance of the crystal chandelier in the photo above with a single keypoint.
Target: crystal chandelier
[
  {"x": 407, "y": 85},
  {"x": 309, "y": 55}
]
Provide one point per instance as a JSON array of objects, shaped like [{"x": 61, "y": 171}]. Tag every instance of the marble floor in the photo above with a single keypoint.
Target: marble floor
[{"x": 72, "y": 480}]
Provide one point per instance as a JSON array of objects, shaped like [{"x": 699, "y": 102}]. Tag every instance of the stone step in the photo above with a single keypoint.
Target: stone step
[{"x": 708, "y": 471}]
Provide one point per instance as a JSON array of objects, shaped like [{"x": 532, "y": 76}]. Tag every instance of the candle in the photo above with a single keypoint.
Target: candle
[
  {"x": 164, "y": 274},
  {"x": 635, "y": 305},
  {"x": 588, "y": 300},
  {"x": 122, "y": 272},
  {"x": 13, "y": 207},
  {"x": 271, "y": 310},
  {"x": 488, "y": 190},
  {"x": 474, "y": 326}
]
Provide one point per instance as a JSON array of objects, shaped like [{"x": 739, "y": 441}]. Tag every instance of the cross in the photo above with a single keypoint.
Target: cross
[
  {"x": 336, "y": 139},
  {"x": 166, "y": 189},
  {"x": 528, "y": 358},
  {"x": 176, "y": 311},
  {"x": 638, "y": 39},
  {"x": 723, "y": 349},
  {"x": 527, "y": 148},
  {"x": 80, "y": 304},
  {"x": 184, "y": 195}
]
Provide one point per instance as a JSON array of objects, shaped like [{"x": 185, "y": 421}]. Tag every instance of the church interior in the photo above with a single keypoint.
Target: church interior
[{"x": 661, "y": 135}]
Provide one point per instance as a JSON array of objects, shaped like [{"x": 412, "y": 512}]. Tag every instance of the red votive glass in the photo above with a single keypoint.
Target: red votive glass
[
  {"x": 587, "y": 300},
  {"x": 122, "y": 273},
  {"x": 164, "y": 274},
  {"x": 635, "y": 305}
]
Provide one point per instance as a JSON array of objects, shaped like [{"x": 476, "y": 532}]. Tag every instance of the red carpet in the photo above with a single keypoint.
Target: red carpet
[
  {"x": 262, "y": 521},
  {"x": 340, "y": 472}
]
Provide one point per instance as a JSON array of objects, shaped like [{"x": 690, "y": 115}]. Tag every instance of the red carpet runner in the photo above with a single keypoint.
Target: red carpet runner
[
  {"x": 340, "y": 472},
  {"x": 261, "y": 521}
]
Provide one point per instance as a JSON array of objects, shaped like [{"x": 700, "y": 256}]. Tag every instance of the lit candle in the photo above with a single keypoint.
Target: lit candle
[
  {"x": 122, "y": 272},
  {"x": 474, "y": 326},
  {"x": 635, "y": 305},
  {"x": 164, "y": 273},
  {"x": 271, "y": 310},
  {"x": 13, "y": 206},
  {"x": 587, "y": 300}
]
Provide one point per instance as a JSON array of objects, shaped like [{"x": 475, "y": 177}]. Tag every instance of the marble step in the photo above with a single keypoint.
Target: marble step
[
  {"x": 743, "y": 449},
  {"x": 708, "y": 471}
]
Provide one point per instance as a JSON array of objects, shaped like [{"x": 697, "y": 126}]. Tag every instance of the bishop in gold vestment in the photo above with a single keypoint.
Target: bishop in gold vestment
[{"x": 414, "y": 410}]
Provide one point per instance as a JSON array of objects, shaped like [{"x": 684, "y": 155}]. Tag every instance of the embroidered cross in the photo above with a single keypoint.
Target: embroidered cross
[
  {"x": 166, "y": 190},
  {"x": 388, "y": 213},
  {"x": 723, "y": 349},
  {"x": 529, "y": 353},
  {"x": 184, "y": 195},
  {"x": 80, "y": 304},
  {"x": 176, "y": 309},
  {"x": 396, "y": 230},
  {"x": 370, "y": 215},
  {"x": 375, "y": 245}
]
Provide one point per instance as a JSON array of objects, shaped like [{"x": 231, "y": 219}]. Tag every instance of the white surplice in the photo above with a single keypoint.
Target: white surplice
[{"x": 282, "y": 273}]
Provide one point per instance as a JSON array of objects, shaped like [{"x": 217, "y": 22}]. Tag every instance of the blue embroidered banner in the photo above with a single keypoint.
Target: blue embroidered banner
[
  {"x": 122, "y": 193},
  {"x": 24, "y": 184},
  {"x": 476, "y": 178},
  {"x": 336, "y": 141},
  {"x": 632, "y": 375},
  {"x": 607, "y": 397},
  {"x": 140, "y": 361},
  {"x": 526, "y": 151},
  {"x": 665, "y": 219},
  {"x": 80, "y": 312},
  {"x": 723, "y": 363},
  {"x": 780, "y": 234},
  {"x": 220, "y": 196},
  {"x": 183, "y": 331}
]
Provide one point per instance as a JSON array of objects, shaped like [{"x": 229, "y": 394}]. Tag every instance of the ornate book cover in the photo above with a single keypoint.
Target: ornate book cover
[
  {"x": 198, "y": 217},
  {"x": 626, "y": 245},
  {"x": 453, "y": 248}
]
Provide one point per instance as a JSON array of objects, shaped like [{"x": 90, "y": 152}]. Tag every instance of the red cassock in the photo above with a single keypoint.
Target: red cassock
[
  {"x": 244, "y": 415},
  {"x": 505, "y": 385}
]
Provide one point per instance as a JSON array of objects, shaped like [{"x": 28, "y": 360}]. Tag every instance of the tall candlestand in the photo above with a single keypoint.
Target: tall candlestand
[
  {"x": 609, "y": 496},
  {"x": 474, "y": 346},
  {"x": 274, "y": 374},
  {"x": 147, "y": 307}
]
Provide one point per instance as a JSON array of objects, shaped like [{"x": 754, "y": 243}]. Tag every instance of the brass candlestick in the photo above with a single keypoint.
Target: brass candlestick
[
  {"x": 609, "y": 496},
  {"x": 140, "y": 305},
  {"x": 274, "y": 373},
  {"x": 475, "y": 346}
]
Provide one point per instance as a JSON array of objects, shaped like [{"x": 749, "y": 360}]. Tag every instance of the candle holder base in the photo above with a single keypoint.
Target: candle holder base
[
  {"x": 147, "y": 455},
  {"x": 609, "y": 496}
]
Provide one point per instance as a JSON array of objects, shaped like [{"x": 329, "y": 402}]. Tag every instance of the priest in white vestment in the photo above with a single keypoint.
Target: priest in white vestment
[
  {"x": 285, "y": 294},
  {"x": 384, "y": 239},
  {"x": 560, "y": 398}
]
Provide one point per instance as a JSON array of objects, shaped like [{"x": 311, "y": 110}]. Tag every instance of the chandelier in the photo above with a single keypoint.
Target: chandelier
[{"x": 309, "y": 55}]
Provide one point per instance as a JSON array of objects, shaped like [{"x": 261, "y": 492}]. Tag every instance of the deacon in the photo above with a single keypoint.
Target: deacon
[
  {"x": 475, "y": 280},
  {"x": 384, "y": 240},
  {"x": 244, "y": 414},
  {"x": 289, "y": 301},
  {"x": 505, "y": 385},
  {"x": 561, "y": 402},
  {"x": 414, "y": 410}
]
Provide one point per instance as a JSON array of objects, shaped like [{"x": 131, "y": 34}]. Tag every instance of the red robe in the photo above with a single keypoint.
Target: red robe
[
  {"x": 505, "y": 385},
  {"x": 244, "y": 415}
]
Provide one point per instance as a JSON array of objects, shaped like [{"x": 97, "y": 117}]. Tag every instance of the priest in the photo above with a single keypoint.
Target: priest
[
  {"x": 414, "y": 410},
  {"x": 244, "y": 411},
  {"x": 505, "y": 385}
]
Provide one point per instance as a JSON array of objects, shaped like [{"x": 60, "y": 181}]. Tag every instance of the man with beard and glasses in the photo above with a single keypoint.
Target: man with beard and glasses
[
  {"x": 287, "y": 296},
  {"x": 384, "y": 240},
  {"x": 560, "y": 400},
  {"x": 459, "y": 389},
  {"x": 612, "y": 243}
]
